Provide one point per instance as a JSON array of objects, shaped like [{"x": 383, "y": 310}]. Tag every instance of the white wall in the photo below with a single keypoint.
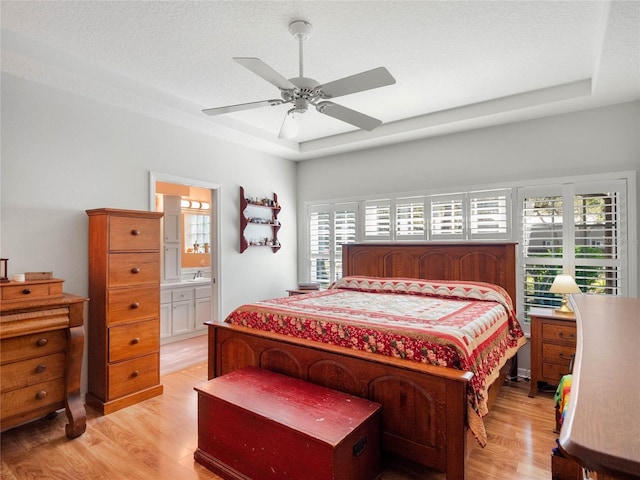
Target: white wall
[
  {"x": 63, "y": 154},
  {"x": 589, "y": 142}
]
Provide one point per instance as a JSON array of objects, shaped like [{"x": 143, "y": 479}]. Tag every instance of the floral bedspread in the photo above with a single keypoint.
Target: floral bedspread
[{"x": 469, "y": 326}]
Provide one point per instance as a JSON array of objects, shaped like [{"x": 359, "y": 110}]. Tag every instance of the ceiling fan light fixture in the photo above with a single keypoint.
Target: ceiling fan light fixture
[{"x": 291, "y": 124}]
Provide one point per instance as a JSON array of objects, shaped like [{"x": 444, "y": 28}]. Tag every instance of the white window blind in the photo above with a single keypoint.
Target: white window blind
[
  {"x": 410, "y": 218},
  {"x": 575, "y": 229},
  {"x": 345, "y": 221},
  {"x": 330, "y": 226},
  {"x": 598, "y": 212},
  {"x": 489, "y": 214},
  {"x": 542, "y": 243},
  {"x": 377, "y": 219},
  {"x": 320, "y": 246},
  {"x": 446, "y": 216}
]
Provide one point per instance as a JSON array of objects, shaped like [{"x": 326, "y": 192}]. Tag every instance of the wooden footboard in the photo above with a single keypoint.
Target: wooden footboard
[{"x": 424, "y": 407}]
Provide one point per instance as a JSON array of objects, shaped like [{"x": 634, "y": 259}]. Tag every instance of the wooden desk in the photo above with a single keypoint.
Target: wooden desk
[{"x": 602, "y": 424}]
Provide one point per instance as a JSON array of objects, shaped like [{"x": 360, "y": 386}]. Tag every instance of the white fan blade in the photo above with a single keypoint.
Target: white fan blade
[
  {"x": 378, "y": 77},
  {"x": 242, "y": 106},
  {"x": 345, "y": 114},
  {"x": 263, "y": 70},
  {"x": 290, "y": 125}
]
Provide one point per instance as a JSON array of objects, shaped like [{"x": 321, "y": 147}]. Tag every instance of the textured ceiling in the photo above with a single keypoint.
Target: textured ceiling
[{"x": 457, "y": 64}]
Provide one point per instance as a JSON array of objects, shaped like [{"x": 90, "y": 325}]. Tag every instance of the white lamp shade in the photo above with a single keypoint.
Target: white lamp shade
[
  {"x": 290, "y": 125},
  {"x": 564, "y": 284}
]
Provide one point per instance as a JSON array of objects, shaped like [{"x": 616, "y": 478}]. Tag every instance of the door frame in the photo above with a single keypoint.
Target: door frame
[{"x": 215, "y": 233}]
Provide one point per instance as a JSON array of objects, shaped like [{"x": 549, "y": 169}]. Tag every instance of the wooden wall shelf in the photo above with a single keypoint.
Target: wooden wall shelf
[{"x": 261, "y": 217}]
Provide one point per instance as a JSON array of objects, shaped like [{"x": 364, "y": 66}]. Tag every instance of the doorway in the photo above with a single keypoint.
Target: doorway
[{"x": 213, "y": 247}]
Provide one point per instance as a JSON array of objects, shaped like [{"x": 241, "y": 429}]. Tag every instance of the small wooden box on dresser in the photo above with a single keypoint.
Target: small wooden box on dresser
[
  {"x": 41, "y": 345},
  {"x": 553, "y": 346},
  {"x": 124, "y": 312}
]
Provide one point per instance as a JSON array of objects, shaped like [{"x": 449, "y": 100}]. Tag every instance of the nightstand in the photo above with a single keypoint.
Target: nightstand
[
  {"x": 553, "y": 346},
  {"x": 301, "y": 291}
]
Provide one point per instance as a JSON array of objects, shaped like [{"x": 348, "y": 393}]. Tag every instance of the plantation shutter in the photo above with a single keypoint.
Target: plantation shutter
[
  {"x": 589, "y": 216},
  {"x": 599, "y": 227},
  {"x": 489, "y": 214},
  {"x": 320, "y": 244},
  {"x": 446, "y": 216},
  {"x": 377, "y": 219},
  {"x": 346, "y": 219},
  {"x": 410, "y": 218},
  {"x": 330, "y": 227}
]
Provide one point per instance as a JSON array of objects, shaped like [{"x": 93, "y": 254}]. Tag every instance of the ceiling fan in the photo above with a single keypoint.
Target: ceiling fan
[{"x": 302, "y": 91}]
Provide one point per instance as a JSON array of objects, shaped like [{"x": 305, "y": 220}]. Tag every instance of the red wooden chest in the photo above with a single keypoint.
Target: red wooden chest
[{"x": 256, "y": 424}]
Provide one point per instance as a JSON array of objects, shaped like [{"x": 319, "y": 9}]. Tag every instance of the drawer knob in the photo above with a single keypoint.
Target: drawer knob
[
  {"x": 135, "y": 373},
  {"x": 41, "y": 368},
  {"x": 135, "y": 232},
  {"x": 565, "y": 357},
  {"x": 42, "y": 342},
  {"x": 135, "y": 341},
  {"x": 41, "y": 395},
  {"x": 135, "y": 270},
  {"x": 571, "y": 335},
  {"x": 135, "y": 305},
  {"x": 26, "y": 291}
]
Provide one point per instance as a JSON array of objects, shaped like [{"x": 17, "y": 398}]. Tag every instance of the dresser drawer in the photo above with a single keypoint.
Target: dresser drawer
[
  {"x": 182, "y": 294},
  {"x": 40, "y": 395},
  {"x": 133, "y": 269},
  {"x": 134, "y": 340},
  {"x": 133, "y": 375},
  {"x": 552, "y": 372},
  {"x": 133, "y": 234},
  {"x": 32, "y": 345},
  {"x": 29, "y": 372},
  {"x": 555, "y": 332},
  {"x": 28, "y": 290},
  {"x": 134, "y": 303},
  {"x": 559, "y": 354}
]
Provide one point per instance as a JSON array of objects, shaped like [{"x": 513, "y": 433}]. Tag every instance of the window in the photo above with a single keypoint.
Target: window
[
  {"x": 575, "y": 229},
  {"x": 410, "y": 221},
  {"x": 571, "y": 226},
  {"x": 197, "y": 230},
  {"x": 330, "y": 226},
  {"x": 377, "y": 219},
  {"x": 447, "y": 221},
  {"x": 489, "y": 214}
]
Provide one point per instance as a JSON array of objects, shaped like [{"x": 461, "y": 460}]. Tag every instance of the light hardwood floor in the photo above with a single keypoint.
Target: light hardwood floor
[{"x": 155, "y": 439}]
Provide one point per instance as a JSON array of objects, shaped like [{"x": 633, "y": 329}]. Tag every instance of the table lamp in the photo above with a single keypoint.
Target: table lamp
[{"x": 564, "y": 284}]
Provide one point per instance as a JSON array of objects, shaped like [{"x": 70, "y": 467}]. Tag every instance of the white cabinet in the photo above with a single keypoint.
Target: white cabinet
[
  {"x": 171, "y": 234},
  {"x": 183, "y": 311},
  {"x": 203, "y": 307},
  {"x": 171, "y": 261}
]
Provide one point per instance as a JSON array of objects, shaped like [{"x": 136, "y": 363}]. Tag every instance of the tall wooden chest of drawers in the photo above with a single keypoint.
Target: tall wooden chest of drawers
[
  {"x": 124, "y": 312},
  {"x": 553, "y": 346},
  {"x": 41, "y": 345}
]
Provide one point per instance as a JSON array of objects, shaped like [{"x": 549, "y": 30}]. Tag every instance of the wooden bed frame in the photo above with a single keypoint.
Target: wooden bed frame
[{"x": 424, "y": 406}]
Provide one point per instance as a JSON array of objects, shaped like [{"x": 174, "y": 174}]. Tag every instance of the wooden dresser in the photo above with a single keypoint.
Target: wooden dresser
[
  {"x": 124, "y": 312},
  {"x": 41, "y": 345},
  {"x": 553, "y": 346}
]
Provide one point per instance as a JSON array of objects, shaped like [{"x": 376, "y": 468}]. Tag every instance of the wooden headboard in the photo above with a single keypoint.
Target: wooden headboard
[{"x": 481, "y": 262}]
